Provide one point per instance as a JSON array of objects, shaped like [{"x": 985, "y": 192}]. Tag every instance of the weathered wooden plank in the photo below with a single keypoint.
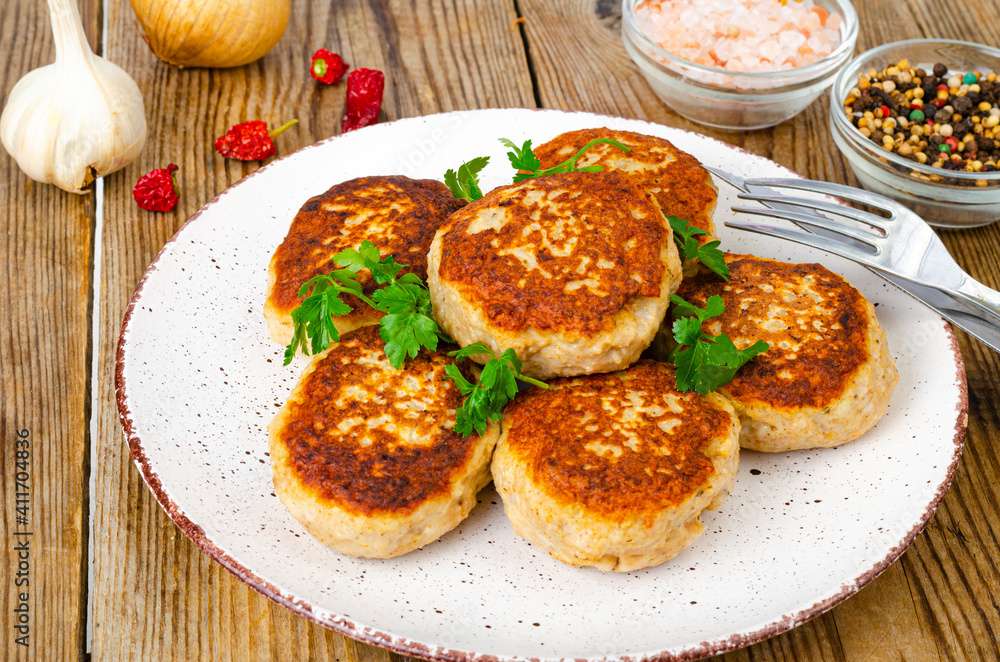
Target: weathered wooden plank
[
  {"x": 941, "y": 600},
  {"x": 951, "y": 569},
  {"x": 180, "y": 605},
  {"x": 45, "y": 280}
]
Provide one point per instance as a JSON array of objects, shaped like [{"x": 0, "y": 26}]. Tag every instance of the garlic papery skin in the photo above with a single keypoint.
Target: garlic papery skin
[
  {"x": 79, "y": 118},
  {"x": 212, "y": 33}
]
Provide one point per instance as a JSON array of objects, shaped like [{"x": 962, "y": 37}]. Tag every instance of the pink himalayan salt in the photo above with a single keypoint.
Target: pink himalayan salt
[{"x": 741, "y": 35}]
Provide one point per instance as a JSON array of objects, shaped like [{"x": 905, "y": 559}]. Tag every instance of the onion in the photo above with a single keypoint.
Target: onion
[{"x": 212, "y": 33}]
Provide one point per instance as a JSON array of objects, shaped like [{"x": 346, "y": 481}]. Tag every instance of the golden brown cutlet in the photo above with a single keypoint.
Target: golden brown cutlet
[
  {"x": 365, "y": 455},
  {"x": 573, "y": 271},
  {"x": 398, "y": 214},
  {"x": 681, "y": 185},
  {"x": 614, "y": 470},
  {"x": 827, "y": 375}
]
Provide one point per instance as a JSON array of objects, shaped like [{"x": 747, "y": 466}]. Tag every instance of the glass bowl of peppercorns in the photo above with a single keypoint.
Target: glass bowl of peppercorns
[{"x": 919, "y": 121}]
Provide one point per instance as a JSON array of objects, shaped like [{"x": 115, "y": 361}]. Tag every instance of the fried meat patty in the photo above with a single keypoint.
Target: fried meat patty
[
  {"x": 614, "y": 470},
  {"x": 364, "y": 455},
  {"x": 681, "y": 185},
  {"x": 573, "y": 271},
  {"x": 397, "y": 214},
  {"x": 828, "y": 375}
]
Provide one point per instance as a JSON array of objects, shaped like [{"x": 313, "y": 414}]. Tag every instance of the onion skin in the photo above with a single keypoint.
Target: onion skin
[{"x": 212, "y": 33}]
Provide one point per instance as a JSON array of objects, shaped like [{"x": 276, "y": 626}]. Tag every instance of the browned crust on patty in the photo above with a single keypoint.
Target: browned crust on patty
[
  {"x": 815, "y": 322},
  {"x": 398, "y": 214},
  {"x": 368, "y": 468},
  {"x": 597, "y": 240},
  {"x": 578, "y": 447},
  {"x": 681, "y": 185}
]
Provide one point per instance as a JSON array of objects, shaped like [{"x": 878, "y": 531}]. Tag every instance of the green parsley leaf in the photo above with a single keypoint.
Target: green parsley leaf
[
  {"x": 465, "y": 387},
  {"x": 521, "y": 158},
  {"x": 705, "y": 362},
  {"x": 471, "y": 350},
  {"x": 464, "y": 184},
  {"x": 405, "y": 334},
  {"x": 685, "y": 236},
  {"x": 687, "y": 330},
  {"x": 408, "y": 326},
  {"x": 714, "y": 306},
  {"x": 312, "y": 321},
  {"x": 525, "y": 161},
  {"x": 497, "y": 385},
  {"x": 366, "y": 256}
]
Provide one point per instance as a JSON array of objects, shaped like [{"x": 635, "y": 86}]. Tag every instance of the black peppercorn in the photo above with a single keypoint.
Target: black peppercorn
[
  {"x": 963, "y": 104},
  {"x": 935, "y": 120}
]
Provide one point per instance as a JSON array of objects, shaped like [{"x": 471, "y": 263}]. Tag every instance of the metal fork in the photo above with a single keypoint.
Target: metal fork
[{"x": 900, "y": 246}]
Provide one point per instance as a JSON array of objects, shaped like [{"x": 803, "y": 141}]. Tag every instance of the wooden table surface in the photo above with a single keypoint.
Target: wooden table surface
[{"x": 106, "y": 559}]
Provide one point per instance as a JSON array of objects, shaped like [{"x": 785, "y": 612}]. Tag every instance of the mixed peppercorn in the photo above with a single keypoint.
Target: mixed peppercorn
[{"x": 943, "y": 119}]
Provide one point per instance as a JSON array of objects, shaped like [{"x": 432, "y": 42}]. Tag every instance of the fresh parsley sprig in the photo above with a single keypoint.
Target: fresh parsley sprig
[
  {"x": 526, "y": 162},
  {"x": 312, "y": 321},
  {"x": 685, "y": 236},
  {"x": 497, "y": 385},
  {"x": 705, "y": 362},
  {"x": 464, "y": 183},
  {"x": 367, "y": 256},
  {"x": 406, "y": 327}
]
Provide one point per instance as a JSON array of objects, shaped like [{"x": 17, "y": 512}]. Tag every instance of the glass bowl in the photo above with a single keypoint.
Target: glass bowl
[
  {"x": 945, "y": 198},
  {"x": 736, "y": 100}
]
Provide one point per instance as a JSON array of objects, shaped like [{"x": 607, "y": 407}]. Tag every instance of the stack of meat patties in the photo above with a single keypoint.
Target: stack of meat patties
[{"x": 612, "y": 465}]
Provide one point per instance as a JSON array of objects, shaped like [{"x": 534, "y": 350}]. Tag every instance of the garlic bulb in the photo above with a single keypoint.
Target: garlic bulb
[
  {"x": 212, "y": 33},
  {"x": 76, "y": 119}
]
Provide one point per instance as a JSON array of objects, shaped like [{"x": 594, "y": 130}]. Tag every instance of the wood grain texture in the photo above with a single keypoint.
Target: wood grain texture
[
  {"x": 45, "y": 280},
  {"x": 941, "y": 601},
  {"x": 156, "y": 597}
]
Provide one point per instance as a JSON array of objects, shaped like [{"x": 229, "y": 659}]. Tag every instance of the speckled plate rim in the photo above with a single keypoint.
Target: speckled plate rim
[{"x": 387, "y": 640}]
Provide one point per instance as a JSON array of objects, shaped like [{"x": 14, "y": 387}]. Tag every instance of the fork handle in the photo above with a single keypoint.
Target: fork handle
[
  {"x": 968, "y": 316},
  {"x": 975, "y": 325},
  {"x": 980, "y": 295}
]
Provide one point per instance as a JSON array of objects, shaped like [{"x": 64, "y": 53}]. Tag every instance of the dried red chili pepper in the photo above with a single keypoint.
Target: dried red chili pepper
[
  {"x": 155, "y": 190},
  {"x": 327, "y": 67},
  {"x": 250, "y": 141},
  {"x": 364, "y": 98}
]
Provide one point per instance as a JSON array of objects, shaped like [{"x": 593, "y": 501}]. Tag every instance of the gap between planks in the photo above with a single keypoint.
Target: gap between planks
[{"x": 93, "y": 395}]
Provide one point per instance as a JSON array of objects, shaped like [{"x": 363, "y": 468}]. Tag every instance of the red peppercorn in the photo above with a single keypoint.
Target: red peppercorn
[
  {"x": 364, "y": 99},
  {"x": 939, "y": 102},
  {"x": 884, "y": 110},
  {"x": 952, "y": 142},
  {"x": 250, "y": 141},
  {"x": 155, "y": 190},
  {"x": 327, "y": 67},
  {"x": 942, "y": 87}
]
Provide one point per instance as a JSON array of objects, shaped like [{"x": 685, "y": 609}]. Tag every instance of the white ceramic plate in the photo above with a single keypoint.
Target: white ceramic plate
[{"x": 198, "y": 381}]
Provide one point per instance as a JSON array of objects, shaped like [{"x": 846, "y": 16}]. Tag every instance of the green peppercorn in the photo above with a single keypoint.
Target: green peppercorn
[{"x": 917, "y": 115}]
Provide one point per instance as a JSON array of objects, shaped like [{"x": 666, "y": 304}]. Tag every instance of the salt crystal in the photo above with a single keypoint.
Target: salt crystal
[
  {"x": 790, "y": 41},
  {"x": 742, "y": 35}
]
